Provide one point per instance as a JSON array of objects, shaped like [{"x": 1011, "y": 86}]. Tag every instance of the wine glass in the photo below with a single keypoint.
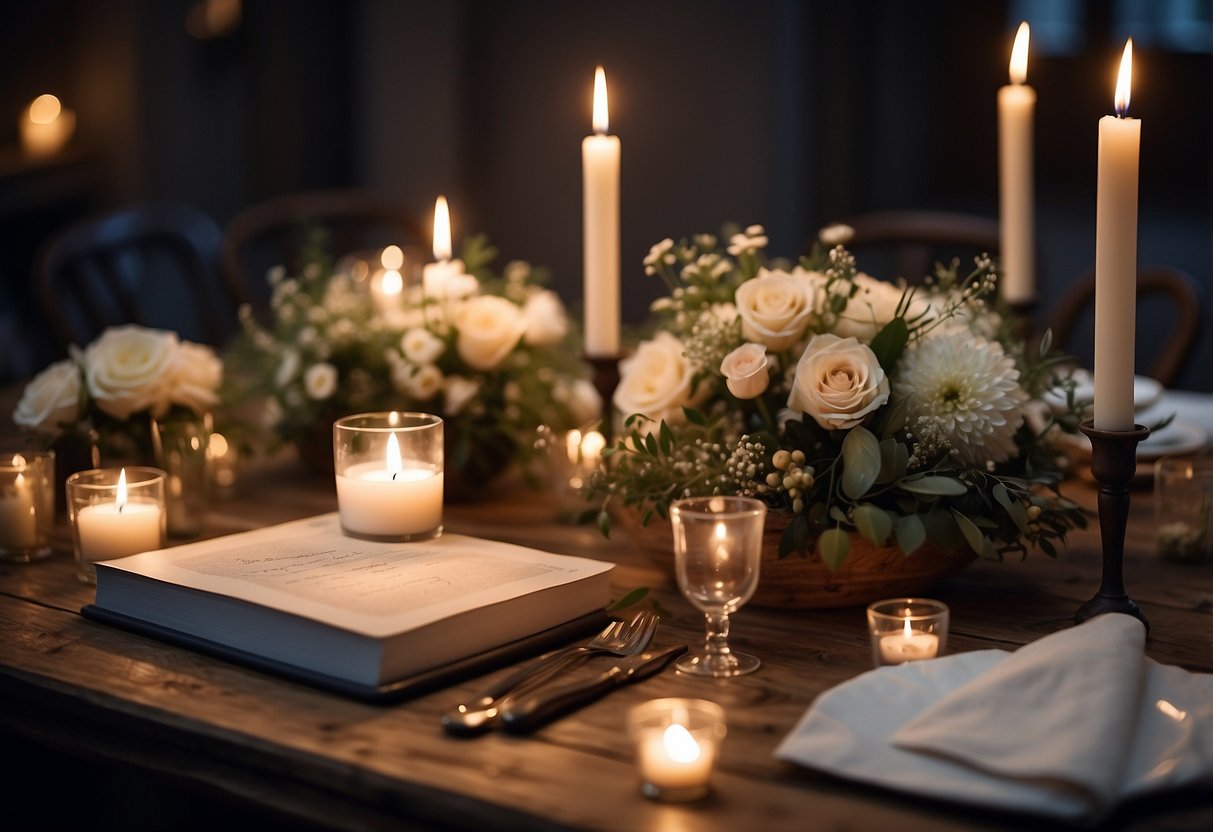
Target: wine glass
[{"x": 717, "y": 548}]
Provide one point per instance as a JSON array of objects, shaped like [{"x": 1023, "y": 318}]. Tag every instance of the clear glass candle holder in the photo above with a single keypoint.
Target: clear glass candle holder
[
  {"x": 1183, "y": 508},
  {"x": 182, "y": 448},
  {"x": 907, "y": 630},
  {"x": 389, "y": 470},
  {"x": 27, "y": 505},
  {"x": 115, "y": 512},
  {"x": 677, "y": 742},
  {"x": 573, "y": 457}
]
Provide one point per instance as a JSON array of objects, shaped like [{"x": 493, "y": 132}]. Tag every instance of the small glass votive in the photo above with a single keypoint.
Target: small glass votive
[
  {"x": 573, "y": 457},
  {"x": 389, "y": 469},
  {"x": 114, "y": 512},
  {"x": 223, "y": 457},
  {"x": 182, "y": 447},
  {"x": 907, "y": 630},
  {"x": 1183, "y": 508},
  {"x": 677, "y": 742},
  {"x": 27, "y": 505}
]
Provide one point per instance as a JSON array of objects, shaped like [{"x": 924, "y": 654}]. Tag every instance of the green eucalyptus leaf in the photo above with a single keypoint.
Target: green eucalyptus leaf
[
  {"x": 977, "y": 541},
  {"x": 860, "y": 462},
  {"x": 910, "y": 533},
  {"x": 604, "y": 523},
  {"x": 895, "y": 416},
  {"x": 934, "y": 485},
  {"x": 873, "y": 523},
  {"x": 628, "y": 600},
  {"x": 838, "y": 515},
  {"x": 833, "y": 545}
]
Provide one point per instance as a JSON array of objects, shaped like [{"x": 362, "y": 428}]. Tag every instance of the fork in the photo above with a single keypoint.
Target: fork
[{"x": 619, "y": 638}]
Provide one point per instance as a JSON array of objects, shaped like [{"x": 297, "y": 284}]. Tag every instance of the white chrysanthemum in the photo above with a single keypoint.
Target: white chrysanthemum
[
  {"x": 320, "y": 381},
  {"x": 971, "y": 388}
]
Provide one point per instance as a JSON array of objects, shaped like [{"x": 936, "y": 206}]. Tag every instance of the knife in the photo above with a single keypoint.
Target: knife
[{"x": 523, "y": 715}]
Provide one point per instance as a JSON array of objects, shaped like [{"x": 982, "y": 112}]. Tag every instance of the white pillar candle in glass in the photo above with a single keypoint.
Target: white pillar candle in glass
[
  {"x": 114, "y": 514},
  {"x": 389, "y": 473},
  {"x": 600, "y": 155},
  {"x": 1116, "y": 258},
  {"x": 907, "y": 630},
  {"x": 677, "y": 742},
  {"x": 27, "y": 505},
  {"x": 1016, "y": 108}
]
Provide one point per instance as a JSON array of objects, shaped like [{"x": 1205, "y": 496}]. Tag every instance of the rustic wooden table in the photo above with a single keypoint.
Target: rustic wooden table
[{"x": 110, "y": 729}]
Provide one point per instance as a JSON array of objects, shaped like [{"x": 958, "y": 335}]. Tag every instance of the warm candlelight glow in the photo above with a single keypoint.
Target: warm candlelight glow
[
  {"x": 906, "y": 631},
  {"x": 1124, "y": 80},
  {"x": 392, "y": 258},
  {"x": 1019, "y": 55},
  {"x": 391, "y": 283},
  {"x": 680, "y": 745},
  {"x": 442, "y": 230},
  {"x": 120, "y": 496},
  {"x": 394, "y": 464},
  {"x": 44, "y": 109},
  {"x": 601, "y": 120}
]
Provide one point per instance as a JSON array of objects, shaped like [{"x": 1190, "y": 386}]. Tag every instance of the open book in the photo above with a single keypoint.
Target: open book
[{"x": 353, "y": 615}]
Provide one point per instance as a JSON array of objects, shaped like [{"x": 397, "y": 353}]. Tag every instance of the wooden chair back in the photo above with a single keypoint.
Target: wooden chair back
[
  {"x": 1168, "y": 321},
  {"x": 155, "y": 264},
  {"x": 278, "y": 231},
  {"x": 911, "y": 242}
]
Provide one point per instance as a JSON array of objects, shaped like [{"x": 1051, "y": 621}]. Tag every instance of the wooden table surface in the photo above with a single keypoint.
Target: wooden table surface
[{"x": 222, "y": 735}]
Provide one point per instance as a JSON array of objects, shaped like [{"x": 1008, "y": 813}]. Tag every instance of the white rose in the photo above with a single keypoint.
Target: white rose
[
  {"x": 424, "y": 382},
  {"x": 127, "y": 370},
  {"x": 421, "y": 346},
  {"x": 838, "y": 382},
  {"x": 656, "y": 380},
  {"x": 546, "y": 320},
  {"x": 320, "y": 381},
  {"x": 52, "y": 398},
  {"x": 874, "y": 305},
  {"x": 585, "y": 402},
  {"x": 489, "y": 328},
  {"x": 774, "y": 307},
  {"x": 196, "y": 376},
  {"x": 745, "y": 371},
  {"x": 458, "y": 391}
]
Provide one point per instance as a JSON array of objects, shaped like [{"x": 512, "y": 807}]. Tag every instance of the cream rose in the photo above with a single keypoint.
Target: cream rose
[
  {"x": 196, "y": 375},
  {"x": 51, "y": 399},
  {"x": 489, "y": 328},
  {"x": 873, "y": 305},
  {"x": 745, "y": 371},
  {"x": 838, "y": 382},
  {"x": 421, "y": 346},
  {"x": 774, "y": 307},
  {"x": 656, "y": 380},
  {"x": 128, "y": 369},
  {"x": 546, "y": 320}
]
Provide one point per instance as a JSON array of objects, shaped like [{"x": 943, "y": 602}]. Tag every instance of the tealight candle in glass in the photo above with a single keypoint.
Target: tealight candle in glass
[
  {"x": 677, "y": 742},
  {"x": 27, "y": 505},
  {"x": 907, "y": 630},
  {"x": 114, "y": 512},
  {"x": 389, "y": 469}
]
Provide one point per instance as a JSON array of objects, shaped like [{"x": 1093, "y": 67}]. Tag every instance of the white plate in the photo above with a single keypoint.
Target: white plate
[
  {"x": 1179, "y": 437},
  {"x": 1146, "y": 391}
]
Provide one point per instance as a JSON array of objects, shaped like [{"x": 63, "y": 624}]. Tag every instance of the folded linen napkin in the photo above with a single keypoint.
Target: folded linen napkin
[{"x": 1068, "y": 726}]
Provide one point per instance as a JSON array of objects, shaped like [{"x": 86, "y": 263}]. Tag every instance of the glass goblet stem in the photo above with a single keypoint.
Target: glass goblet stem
[{"x": 716, "y": 644}]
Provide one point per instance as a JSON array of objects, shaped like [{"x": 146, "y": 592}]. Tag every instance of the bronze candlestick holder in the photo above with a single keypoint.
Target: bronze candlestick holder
[
  {"x": 1113, "y": 464},
  {"x": 606, "y": 379}
]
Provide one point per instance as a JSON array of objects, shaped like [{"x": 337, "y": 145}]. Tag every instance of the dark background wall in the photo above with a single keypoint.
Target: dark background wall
[{"x": 791, "y": 114}]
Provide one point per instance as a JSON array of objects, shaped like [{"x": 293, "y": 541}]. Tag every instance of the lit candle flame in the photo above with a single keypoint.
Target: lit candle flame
[
  {"x": 442, "y": 230},
  {"x": 394, "y": 465},
  {"x": 679, "y": 744},
  {"x": 907, "y": 632},
  {"x": 120, "y": 498},
  {"x": 391, "y": 283},
  {"x": 44, "y": 109},
  {"x": 392, "y": 258},
  {"x": 601, "y": 120},
  {"x": 1019, "y": 55},
  {"x": 1124, "y": 80}
]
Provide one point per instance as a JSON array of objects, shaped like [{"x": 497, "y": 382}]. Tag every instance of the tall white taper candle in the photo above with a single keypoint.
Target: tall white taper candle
[
  {"x": 1116, "y": 258},
  {"x": 600, "y": 184},
  {"x": 1016, "y": 108}
]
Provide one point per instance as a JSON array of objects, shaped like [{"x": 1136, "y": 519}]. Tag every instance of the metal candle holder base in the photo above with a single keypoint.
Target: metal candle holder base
[{"x": 1113, "y": 464}]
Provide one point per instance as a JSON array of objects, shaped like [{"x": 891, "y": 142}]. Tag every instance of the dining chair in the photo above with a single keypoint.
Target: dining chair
[
  {"x": 1169, "y": 321},
  {"x": 912, "y": 241},
  {"x": 279, "y": 230},
  {"x": 155, "y": 263}
]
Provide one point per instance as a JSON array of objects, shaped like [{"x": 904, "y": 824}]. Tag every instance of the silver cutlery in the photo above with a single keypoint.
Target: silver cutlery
[
  {"x": 619, "y": 638},
  {"x": 521, "y": 715}
]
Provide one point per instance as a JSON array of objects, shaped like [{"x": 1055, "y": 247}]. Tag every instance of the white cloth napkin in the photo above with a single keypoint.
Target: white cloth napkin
[{"x": 1068, "y": 726}]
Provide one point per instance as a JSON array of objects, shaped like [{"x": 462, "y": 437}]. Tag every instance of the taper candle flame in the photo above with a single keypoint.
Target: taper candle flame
[
  {"x": 1124, "y": 80},
  {"x": 1019, "y": 55},
  {"x": 442, "y": 230},
  {"x": 601, "y": 119}
]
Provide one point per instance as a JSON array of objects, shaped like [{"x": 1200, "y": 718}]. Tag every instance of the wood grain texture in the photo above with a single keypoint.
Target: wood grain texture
[{"x": 85, "y": 689}]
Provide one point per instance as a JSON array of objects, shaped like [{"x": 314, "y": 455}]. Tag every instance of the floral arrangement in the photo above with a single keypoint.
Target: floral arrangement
[
  {"x": 127, "y": 376},
  {"x": 493, "y": 355},
  {"x": 850, "y": 405}
]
